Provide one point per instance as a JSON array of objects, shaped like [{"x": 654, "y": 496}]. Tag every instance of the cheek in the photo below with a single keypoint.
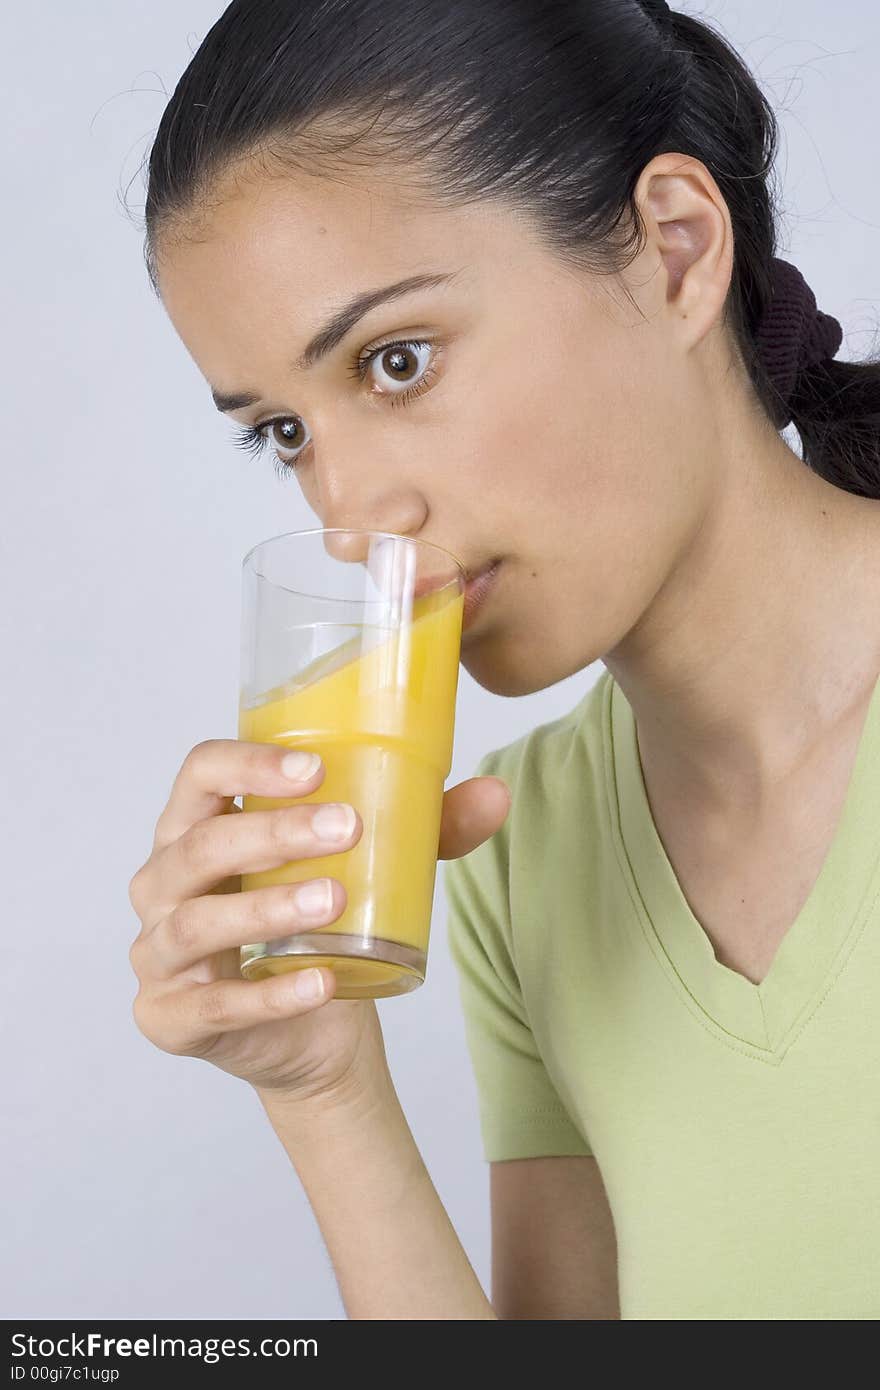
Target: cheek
[
  {"x": 567, "y": 438},
  {"x": 517, "y": 431},
  {"x": 560, "y": 444},
  {"x": 603, "y": 445},
  {"x": 486, "y": 428}
]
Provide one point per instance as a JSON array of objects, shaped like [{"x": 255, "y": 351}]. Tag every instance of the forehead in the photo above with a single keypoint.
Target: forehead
[
  {"x": 265, "y": 262},
  {"x": 310, "y": 242}
]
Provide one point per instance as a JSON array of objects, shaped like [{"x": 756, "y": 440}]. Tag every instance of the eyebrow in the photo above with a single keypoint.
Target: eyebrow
[{"x": 335, "y": 329}]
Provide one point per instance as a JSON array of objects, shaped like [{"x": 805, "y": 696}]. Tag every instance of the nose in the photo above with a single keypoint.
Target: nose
[{"x": 351, "y": 545}]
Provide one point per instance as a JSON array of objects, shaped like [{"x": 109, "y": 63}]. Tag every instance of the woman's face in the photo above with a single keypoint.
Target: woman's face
[{"x": 539, "y": 426}]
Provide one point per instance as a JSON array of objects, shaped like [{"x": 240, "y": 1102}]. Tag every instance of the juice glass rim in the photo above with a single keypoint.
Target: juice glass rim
[{"x": 358, "y": 531}]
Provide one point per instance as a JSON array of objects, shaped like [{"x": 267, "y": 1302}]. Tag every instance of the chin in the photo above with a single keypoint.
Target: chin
[
  {"x": 502, "y": 663},
  {"x": 496, "y": 665}
]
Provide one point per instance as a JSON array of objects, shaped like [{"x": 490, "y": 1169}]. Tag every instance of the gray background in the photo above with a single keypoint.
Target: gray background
[{"x": 140, "y": 1184}]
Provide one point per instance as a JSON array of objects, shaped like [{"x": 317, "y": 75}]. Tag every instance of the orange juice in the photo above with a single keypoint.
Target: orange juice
[{"x": 382, "y": 719}]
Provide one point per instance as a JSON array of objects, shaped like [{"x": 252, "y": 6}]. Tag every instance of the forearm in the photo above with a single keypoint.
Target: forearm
[{"x": 394, "y": 1250}]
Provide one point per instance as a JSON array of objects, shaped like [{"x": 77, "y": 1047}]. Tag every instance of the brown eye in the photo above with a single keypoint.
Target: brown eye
[
  {"x": 398, "y": 365},
  {"x": 287, "y": 434}
]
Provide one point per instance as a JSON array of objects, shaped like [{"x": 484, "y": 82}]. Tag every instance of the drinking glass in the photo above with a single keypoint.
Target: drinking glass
[{"x": 350, "y": 648}]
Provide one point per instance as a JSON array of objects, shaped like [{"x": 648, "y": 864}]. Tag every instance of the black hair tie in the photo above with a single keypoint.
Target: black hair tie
[{"x": 793, "y": 333}]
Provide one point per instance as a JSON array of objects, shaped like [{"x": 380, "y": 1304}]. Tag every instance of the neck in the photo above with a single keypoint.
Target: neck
[{"x": 760, "y": 641}]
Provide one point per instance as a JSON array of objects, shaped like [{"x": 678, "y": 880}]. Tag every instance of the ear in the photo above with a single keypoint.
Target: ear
[{"x": 688, "y": 227}]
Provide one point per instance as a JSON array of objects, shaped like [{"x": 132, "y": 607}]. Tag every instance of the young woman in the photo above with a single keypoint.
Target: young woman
[{"x": 503, "y": 277}]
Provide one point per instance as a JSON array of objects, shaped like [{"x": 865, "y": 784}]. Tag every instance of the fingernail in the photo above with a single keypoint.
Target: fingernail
[
  {"x": 315, "y": 898},
  {"x": 300, "y": 766},
  {"x": 309, "y": 984},
  {"x": 334, "y": 821}
]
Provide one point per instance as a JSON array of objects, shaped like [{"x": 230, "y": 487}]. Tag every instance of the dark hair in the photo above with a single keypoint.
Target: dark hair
[{"x": 554, "y": 108}]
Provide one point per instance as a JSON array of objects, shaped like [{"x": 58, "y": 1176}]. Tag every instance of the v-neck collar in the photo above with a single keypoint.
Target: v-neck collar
[{"x": 761, "y": 1019}]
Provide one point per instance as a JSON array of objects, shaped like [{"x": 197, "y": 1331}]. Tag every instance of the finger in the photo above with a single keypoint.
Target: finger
[
  {"x": 199, "y": 927},
  {"x": 216, "y": 771},
  {"x": 472, "y": 812},
  {"x": 186, "y": 1021},
  {"x": 224, "y": 845}
]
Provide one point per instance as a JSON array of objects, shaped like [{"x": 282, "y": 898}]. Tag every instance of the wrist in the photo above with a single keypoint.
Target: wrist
[
  {"x": 362, "y": 1081},
  {"x": 359, "y": 1091},
  {"x": 362, "y": 1089}
]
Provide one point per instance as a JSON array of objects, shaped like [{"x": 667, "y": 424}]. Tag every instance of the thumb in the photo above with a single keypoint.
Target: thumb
[{"x": 472, "y": 812}]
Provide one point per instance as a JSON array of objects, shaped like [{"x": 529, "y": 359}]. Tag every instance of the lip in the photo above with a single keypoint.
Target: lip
[
  {"x": 428, "y": 582},
  {"x": 472, "y": 575},
  {"x": 476, "y": 591}
]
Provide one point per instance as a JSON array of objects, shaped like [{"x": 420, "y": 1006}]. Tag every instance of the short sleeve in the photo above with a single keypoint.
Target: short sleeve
[{"x": 521, "y": 1115}]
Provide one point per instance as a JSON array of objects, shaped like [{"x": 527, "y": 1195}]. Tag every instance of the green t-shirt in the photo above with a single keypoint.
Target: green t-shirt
[{"x": 736, "y": 1126}]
